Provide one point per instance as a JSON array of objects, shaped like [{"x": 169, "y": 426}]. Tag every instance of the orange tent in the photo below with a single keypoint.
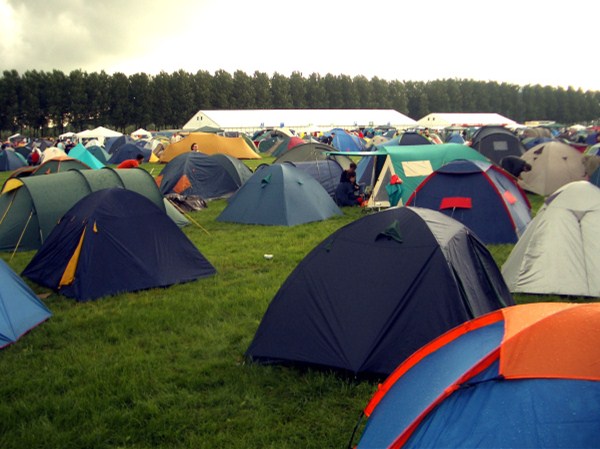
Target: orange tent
[
  {"x": 522, "y": 376},
  {"x": 209, "y": 143}
]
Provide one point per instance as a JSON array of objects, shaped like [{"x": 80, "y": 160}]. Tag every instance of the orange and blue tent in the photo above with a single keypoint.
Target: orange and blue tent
[{"x": 522, "y": 376}]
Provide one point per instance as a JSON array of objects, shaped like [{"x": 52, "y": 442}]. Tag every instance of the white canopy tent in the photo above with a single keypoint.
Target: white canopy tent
[{"x": 97, "y": 133}]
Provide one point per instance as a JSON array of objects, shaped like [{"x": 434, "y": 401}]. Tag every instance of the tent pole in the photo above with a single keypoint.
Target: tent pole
[
  {"x": 21, "y": 236},
  {"x": 188, "y": 217},
  {"x": 8, "y": 208}
]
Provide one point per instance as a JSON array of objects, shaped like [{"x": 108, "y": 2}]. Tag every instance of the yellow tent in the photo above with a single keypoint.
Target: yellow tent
[{"x": 209, "y": 143}]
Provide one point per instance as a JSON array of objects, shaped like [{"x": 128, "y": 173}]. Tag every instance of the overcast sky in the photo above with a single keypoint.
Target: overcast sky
[{"x": 516, "y": 41}]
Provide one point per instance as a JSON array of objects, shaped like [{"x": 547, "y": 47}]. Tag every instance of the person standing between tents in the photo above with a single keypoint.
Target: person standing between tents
[
  {"x": 132, "y": 163},
  {"x": 194, "y": 147}
]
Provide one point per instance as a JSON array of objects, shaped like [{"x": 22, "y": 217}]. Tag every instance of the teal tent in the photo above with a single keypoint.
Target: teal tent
[
  {"x": 82, "y": 154},
  {"x": 280, "y": 194},
  {"x": 412, "y": 164}
]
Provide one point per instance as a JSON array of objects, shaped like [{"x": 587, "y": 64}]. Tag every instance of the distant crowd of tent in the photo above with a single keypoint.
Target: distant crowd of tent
[{"x": 432, "y": 311}]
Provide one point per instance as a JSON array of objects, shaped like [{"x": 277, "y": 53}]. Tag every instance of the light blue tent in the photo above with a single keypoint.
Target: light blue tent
[
  {"x": 82, "y": 154},
  {"x": 280, "y": 194},
  {"x": 345, "y": 141},
  {"x": 20, "y": 308}
]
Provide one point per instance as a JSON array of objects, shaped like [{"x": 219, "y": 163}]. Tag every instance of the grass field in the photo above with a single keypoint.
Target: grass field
[{"x": 164, "y": 368}]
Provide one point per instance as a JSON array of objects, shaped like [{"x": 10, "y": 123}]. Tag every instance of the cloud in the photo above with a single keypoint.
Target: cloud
[
  {"x": 514, "y": 41},
  {"x": 72, "y": 34}
]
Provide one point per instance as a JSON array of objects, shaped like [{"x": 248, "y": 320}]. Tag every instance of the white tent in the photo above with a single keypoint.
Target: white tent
[
  {"x": 559, "y": 253},
  {"x": 141, "y": 134},
  {"x": 97, "y": 133},
  {"x": 52, "y": 153}
]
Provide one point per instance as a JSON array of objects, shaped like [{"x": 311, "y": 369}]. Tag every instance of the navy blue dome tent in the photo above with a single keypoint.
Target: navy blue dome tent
[
  {"x": 114, "y": 241},
  {"x": 478, "y": 194},
  {"x": 378, "y": 289},
  {"x": 210, "y": 177}
]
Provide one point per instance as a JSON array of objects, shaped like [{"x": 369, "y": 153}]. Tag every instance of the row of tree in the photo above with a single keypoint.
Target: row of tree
[{"x": 48, "y": 103}]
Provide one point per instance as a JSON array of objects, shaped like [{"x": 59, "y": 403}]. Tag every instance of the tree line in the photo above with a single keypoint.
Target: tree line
[{"x": 48, "y": 103}]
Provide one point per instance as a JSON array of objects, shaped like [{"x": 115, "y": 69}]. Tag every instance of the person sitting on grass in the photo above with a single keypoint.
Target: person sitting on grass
[
  {"x": 132, "y": 163},
  {"x": 348, "y": 193}
]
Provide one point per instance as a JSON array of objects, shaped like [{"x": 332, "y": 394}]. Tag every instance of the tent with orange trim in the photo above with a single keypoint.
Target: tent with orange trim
[
  {"x": 526, "y": 376},
  {"x": 113, "y": 241},
  {"x": 209, "y": 143},
  {"x": 210, "y": 177}
]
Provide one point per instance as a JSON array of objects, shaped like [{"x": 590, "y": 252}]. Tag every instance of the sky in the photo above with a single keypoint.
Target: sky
[{"x": 523, "y": 42}]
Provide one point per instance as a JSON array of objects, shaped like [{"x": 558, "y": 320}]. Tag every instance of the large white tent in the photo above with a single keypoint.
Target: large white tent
[
  {"x": 464, "y": 120},
  {"x": 298, "y": 119}
]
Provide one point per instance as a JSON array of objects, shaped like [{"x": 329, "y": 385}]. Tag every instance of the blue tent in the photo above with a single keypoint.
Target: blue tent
[
  {"x": 114, "y": 241},
  {"x": 82, "y": 154},
  {"x": 326, "y": 172},
  {"x": 455, "y": 138},
  {"x": 128, "y": 151},
  {"x": 10, "y": 160},
  {"x": 531, "y": 142},
  {"x": 280, "y": 194},
  {"x": 344, "y": 141},
  {"x": 20, "y": 309},
  {"x": 209, "y": 177},
  {"x": 111, "y": 144},
  {"x": 376, "y": 290},
  {"x": 479, "y": 195},
  {"x": 521, "y": 377}
]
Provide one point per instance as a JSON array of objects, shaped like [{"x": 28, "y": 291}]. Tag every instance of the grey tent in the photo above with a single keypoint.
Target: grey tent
[
  {"x": 496, "y": 142},
  {"x": 559, "y": 253}
]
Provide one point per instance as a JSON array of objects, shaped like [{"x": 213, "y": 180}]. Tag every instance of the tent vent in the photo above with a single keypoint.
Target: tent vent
[{"x": 392, "y": 232}]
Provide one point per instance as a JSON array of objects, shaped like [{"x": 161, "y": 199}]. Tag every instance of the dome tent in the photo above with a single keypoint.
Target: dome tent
[
  {"x": 478, "y": 194},
  {"x": 143, "y": 247},
  {"x": 421, "y": 274},
  {"x": 521, "y": 377},
  {"x": 559, "y": 253},
  {"x": 281, "y": 195},
  {"x": 209, "y": 177},
  {"x": 32, "y": 206},
  {"x": 20, "y": 308}
]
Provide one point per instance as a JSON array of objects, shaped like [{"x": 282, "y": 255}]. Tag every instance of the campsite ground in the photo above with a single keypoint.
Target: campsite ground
[{"x": 165, "y": 368}]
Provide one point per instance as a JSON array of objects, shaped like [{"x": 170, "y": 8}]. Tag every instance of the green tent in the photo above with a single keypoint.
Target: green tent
[
  {"x": 412, "y": 163},
  {"x": 30, "y": 207}
]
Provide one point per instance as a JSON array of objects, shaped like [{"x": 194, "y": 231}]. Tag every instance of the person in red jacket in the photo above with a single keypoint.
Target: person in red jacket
[{"x": 132, "y": 163}]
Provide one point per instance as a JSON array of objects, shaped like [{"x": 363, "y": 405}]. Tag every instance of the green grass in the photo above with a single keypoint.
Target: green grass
[{"x": 164, "y": 368}]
